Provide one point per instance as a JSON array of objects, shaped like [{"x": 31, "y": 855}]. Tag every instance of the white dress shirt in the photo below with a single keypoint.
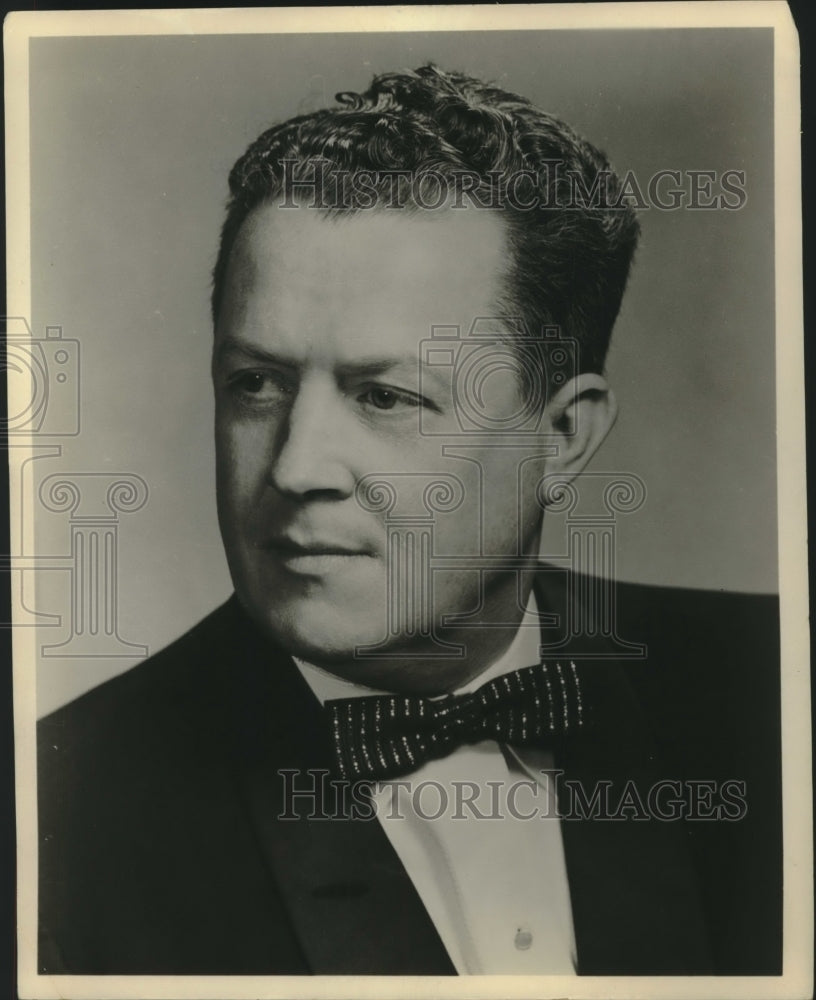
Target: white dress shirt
[{"x": 493, "y": 883}]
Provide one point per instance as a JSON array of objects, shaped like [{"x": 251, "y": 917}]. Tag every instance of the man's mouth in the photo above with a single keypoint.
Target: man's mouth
[{"x": 314, "y": 557}]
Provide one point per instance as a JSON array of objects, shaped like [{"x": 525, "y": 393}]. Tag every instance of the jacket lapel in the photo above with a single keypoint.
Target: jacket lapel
[
  {"x": 635, "y": 897},
  {"x": 350, "y": 902}
]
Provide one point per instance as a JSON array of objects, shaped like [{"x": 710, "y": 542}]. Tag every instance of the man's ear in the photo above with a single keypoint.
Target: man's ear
[{"x": 578, "y": 418}]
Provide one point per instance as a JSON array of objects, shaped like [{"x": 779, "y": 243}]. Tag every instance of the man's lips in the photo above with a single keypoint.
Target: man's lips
[
  {"x": 286, "y": 547},
  {"x": 315, "y": 557}
]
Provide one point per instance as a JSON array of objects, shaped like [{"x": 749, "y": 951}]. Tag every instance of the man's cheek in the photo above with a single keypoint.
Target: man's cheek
[{"x": 240, "y": 466}]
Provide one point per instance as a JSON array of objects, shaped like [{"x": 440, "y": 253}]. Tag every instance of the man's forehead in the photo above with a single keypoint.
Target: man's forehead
[
  {"x": 372, "y": 248},
  {"x": 371, "y": 283}
]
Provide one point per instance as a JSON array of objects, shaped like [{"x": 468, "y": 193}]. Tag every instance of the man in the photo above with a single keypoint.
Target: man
[{"x": 412, "y": 303}]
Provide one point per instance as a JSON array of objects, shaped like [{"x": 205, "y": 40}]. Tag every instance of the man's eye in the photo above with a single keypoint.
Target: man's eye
[
  {"x": 383, "y": 398},
  {"x": 258, "y": 384},
  {"x": 250, "y": 382}
]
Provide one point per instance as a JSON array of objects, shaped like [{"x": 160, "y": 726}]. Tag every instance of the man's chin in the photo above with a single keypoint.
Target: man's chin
[
  {"x": 317, "y": 631},
  {"x": 355, "y": 644}
]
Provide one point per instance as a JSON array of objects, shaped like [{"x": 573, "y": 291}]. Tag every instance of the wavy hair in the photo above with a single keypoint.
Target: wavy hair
[{"x": 412, "y": 131}]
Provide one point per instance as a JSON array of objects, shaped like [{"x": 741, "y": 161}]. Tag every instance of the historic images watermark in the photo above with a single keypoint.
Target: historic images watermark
[
  {"x": 322, "y": 185},
  {"x": 315, "y": 794}
]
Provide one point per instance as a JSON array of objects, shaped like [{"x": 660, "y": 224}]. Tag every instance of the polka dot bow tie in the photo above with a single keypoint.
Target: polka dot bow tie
[{"x": 384, "y": 736}]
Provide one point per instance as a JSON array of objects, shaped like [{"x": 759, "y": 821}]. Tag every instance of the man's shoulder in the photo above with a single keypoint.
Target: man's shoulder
[
  {"x": 709, "y": 607},
  {"x": 143, "y": 824},
  {"x": 704, "y": 643},
  {"x": 186, "y": 660},
  {"x": 712, "y": 638},
  {"x": 168, "y": 700},
  {"x": 670, "y": 619},
  {"x": 704, "y": 665},
  {"x": 709, "y": 680}
]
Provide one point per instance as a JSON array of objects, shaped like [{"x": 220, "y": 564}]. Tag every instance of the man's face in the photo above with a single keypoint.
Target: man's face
[{"x": 318, "y": 385}]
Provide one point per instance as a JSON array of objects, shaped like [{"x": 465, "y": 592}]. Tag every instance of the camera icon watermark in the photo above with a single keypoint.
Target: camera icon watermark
[
  {"x": 542, "y": 362},
  {"x": 43, "y": 381}
]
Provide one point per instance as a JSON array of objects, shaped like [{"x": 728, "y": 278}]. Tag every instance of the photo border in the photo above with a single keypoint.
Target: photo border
[{"x": 796, "y": 980}]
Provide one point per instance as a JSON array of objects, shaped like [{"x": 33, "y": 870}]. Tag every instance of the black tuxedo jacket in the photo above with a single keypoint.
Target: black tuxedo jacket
[{"x": 162, "y": 850}]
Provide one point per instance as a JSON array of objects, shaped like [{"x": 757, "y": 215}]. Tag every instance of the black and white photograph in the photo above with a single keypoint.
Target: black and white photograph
[{"x": 408, "y": 540}]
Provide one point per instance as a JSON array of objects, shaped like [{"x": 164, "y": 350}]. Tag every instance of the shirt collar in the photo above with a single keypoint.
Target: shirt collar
[{"x": 522, "y": 652}]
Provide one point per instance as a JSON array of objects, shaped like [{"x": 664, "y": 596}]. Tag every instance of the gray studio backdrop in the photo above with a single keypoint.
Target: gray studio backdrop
[{"x": 132, "y": 139}]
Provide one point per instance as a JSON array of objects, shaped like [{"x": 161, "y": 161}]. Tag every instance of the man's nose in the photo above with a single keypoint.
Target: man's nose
[{"x": 312, "y": 445}]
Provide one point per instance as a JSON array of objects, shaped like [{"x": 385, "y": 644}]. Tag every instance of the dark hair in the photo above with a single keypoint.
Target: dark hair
[{"x": 570, "y": 253}]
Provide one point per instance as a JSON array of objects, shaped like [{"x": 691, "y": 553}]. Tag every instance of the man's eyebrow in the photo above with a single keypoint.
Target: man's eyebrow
[
  {"x": 405, "y": 365},
  {"x": 229, "y": 345},
  {"x": 381, "y": 365},
  {"x": 362, "y": 367}
]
